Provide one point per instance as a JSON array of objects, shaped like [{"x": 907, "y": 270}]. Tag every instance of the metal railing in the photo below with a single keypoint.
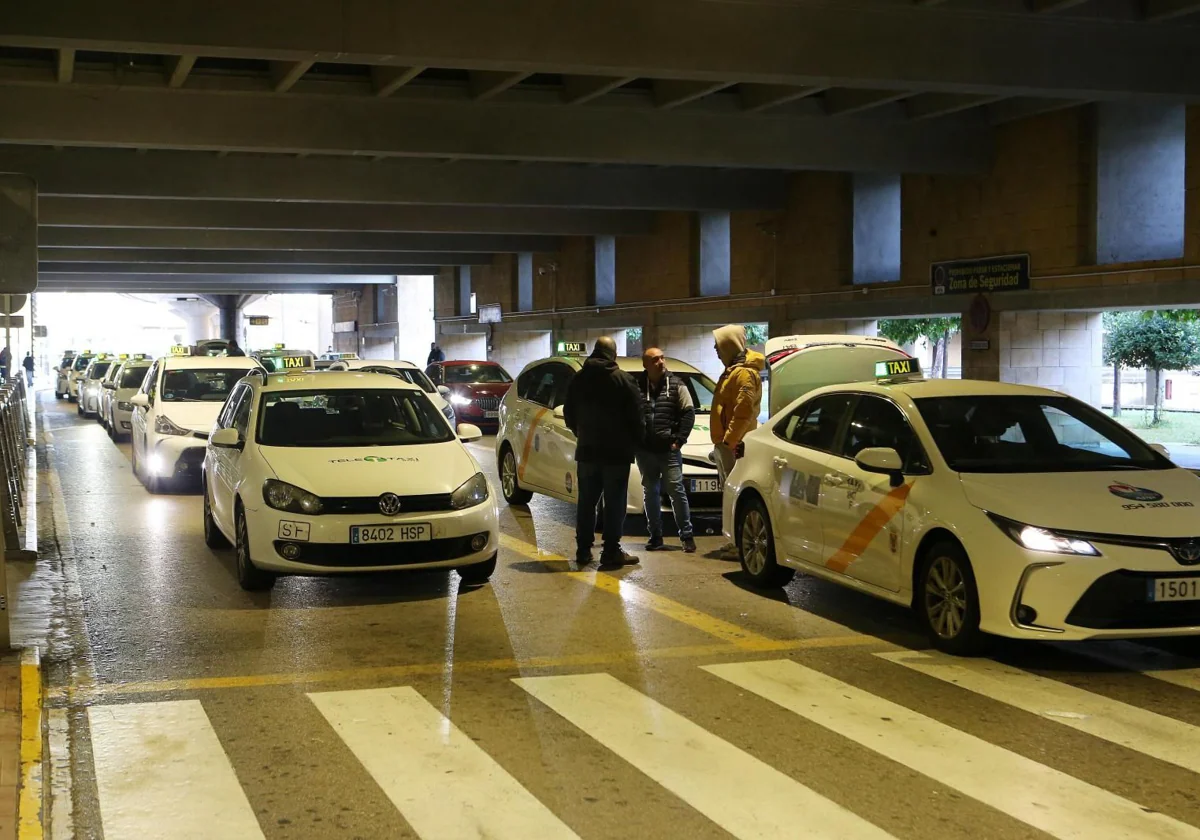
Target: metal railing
[{"x": 16, "y": 434}]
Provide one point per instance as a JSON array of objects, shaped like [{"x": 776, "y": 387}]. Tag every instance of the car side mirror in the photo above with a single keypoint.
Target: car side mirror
[
  {"x": 227, "y": 439},
  {"x": 884, "y": 461},
  {"x": 1161, "y": 450},
  {"x": 469, "y": 433},
  {"x": 560, "y": 412},
  {"x": 140, "y": 400},
  {"x": 108, "y": 386},
  {"x": 444, "y": 391}
]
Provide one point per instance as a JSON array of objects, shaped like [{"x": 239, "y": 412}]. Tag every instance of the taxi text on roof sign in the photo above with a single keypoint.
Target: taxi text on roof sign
[
  {"x": 296, "y": 362},
  {"x": 180, "y": 350},
  {"x": 571, "y": 348},
  {"x": 897, "y": 368}
]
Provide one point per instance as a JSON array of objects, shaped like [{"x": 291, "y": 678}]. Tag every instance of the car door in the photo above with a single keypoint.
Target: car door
[
  {"x": 862, "y": 512},
  {"x": 557, "y": 453},
  {"x": 227, "y": 460},
  {"x": 140, "y": 419},
  {"x": 542, "y": 450},
  {"x": 803, "y": 442}
]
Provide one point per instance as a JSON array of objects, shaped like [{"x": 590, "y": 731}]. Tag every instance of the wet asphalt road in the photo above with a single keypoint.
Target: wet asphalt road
[{"x": 386, "y": 706}]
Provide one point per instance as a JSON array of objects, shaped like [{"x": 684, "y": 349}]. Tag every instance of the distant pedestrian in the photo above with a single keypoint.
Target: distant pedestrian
[
  {"x": 603, "y": 411},
  {"x": 28, "y": 364},
  {"x": 670, "y": 416},
  {"x": 738, "y": 398},
  {"x": 5, "y": 362},
  {"x": 435, "y": 355},
  {"x": 234, "y": 350}
]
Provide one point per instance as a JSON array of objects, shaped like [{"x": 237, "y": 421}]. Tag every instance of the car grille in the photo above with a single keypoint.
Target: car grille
[
  {"x": 370, "y": 504},
  {"x": 488, "y": 403},
  {"x": 1117, "y": 601},
  {"x": 1185, "y": 550},
  {"x": 334, "y": 555}
]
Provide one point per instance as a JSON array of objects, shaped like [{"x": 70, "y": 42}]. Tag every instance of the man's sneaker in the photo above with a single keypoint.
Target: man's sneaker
[
  {"x": 689, "y": 545},
  {"x": 583, "y": 558},
  {"x": 655, "y": 544},
  {"x": 617, "y": 559}
]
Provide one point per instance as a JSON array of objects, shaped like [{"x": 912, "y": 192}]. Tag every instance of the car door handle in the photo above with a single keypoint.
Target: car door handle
[
  {"x": 779, "y": 462},
  {"x": 834, "y": 481}
]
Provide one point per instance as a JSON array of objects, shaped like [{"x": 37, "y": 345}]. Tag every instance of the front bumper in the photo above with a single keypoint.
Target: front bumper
[
  {"x": 90, "y": 401},
  {"x": 327, "y": 550},
  {"x": 122, "y": 420},
  {"x": 175, "y": 456}
]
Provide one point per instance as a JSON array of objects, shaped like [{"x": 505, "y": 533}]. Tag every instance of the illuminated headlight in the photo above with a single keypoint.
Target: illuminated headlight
[
  {"x": 1044, "y": 540},
  {"x": 124, "y": 406},
  {"x": 156, "y": 464},
  {"x": 449, "y": 412},
  {"x": 474, "y": 491},
  {"x": 283, "y": 496},
  {"x": 459, "y": 399},
  {"x": 164, "y": 426}
]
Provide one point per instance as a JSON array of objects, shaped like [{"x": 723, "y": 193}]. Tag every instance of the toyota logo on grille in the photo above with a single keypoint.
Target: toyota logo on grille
[
  {"x": 1188, "y": 553},
  {"x": 389, "y": 505}
]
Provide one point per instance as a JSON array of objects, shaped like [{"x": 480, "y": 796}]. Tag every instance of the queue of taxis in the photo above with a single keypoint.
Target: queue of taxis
[
  {"x": 409, "y": 372},
  {"x": 87, "y": 403},
  {"x": 536, "y": 450},
  {"x": 990, "y": 509},
  {"x": 69, "y": 373},
  {"x": 328, "y": 472},
  {"x": 116, "y": 408}
]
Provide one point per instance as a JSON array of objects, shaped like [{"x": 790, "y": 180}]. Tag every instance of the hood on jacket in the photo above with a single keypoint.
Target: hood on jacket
[{"x": 731, "y": 342}]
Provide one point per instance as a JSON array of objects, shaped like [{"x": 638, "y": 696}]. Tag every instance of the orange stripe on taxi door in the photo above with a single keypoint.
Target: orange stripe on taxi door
[
  {"x": 868, "y": 529},
  {"x": 537, "y": 418}
]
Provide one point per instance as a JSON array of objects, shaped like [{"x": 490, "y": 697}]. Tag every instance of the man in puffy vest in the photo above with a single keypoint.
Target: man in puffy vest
[
  {"x": 670, "y": 415},
  {"x": 738, "y": 399}
]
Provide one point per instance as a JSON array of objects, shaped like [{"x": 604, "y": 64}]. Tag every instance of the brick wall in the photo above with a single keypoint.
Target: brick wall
[
  {"x": 753, "y": 239},
  {"x": 496, "y": 283},
  {"x": 815, "y": 234},
  {"x": 576, "y": 271},
  {"x": 471, "y": 346},
  {"x": 1059, "y": 350}
]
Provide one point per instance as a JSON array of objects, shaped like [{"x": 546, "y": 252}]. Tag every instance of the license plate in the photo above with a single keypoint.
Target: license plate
[
  {"x": 1173, "y": 589},
  {"x": 704, "y": 485},
  {"x": 491, "y": 415},
  {"x": 416, "y": 532}
]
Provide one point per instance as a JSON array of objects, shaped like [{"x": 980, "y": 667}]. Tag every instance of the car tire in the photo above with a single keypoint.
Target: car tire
[
  {"x": 510, "y": 484},
  {"x": 947, "y": 600},
  {"x": 250, "y": 577},
  {"x": 756, "y": 548},
  {"x": 213, "y": 538},
  {"x": 478, "y": 573}
]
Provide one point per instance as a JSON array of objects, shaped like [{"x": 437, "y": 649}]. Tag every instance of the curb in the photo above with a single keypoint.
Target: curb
[{"x": 30, "y": 810}]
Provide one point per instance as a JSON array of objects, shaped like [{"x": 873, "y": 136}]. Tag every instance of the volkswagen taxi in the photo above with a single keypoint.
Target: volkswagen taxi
[
  {"x": 116, "y": 403},
  {"x": 331, "y": 472},
  {"x": 405, "y": 370},
  {"x": 988, "y": 508},
  {"x": 536, "y": 450},
  {"x": 75, "y": 373},
  {"x": 174, "y": 409},
  {"x": 62, "y": 374},
  {"x": 89, "y": 388}
]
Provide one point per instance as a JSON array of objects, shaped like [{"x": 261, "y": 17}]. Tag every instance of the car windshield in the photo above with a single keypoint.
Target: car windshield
[
  {"x": 1032, "y": 434},
  {"x": 81, "y": 363},
  {"x": 409, "y": 375},
  {"x": 66, "y": 362},
  {"x": 200, "y": 385},
  {"x": 702, "y": 389},
  {"x": 476, "y": 375},
  {"x": 98, "y": 370},
  {"x": 132, "y": 377},
  {"x": 349, "y": 418}
]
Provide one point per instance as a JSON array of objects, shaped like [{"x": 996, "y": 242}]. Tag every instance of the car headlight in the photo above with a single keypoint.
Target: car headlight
[
  {"x": 474, "y": 491},
  {"x": 1043, "y": 539},
  {"x": 164, "y": 426},
  {"x": 124, "y": 406},
  {"x": 449, "y": 412},
  {"x": 459, "y": 399},
  {"x": 283, "y": 496}
]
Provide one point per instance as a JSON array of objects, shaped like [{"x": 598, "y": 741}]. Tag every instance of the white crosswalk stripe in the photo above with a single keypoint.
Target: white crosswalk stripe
[
  {"x": 161, "y": 773},
  {"x": 1040, "y": 796},
  {"x": 439, "y": 779},
  {"x": 732, "y": 788},
  {"x": 1148, "y": 661},
  {"x": 1155, "y": 735}
]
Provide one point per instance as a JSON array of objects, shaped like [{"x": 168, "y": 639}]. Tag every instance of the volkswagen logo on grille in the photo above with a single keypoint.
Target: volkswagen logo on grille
[
  {"x": 389, "y": 505},
  {"x": 1188, "y": 553}
]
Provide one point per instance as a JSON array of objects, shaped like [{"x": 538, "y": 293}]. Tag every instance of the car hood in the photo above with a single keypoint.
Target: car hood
[
  {"x": 195, "y": 416},
  {"x": 1136, "y": 503},
  {"x": 475, "y": 391},
  {"x": 372, "y": 470}
]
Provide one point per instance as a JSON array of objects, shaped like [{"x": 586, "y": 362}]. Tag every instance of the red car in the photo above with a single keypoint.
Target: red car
[{"x": 476, "y": 389}]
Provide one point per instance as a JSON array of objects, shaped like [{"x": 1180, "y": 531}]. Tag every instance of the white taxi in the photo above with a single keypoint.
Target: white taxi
[
  {"x": 75, "y": 373},
  {"x": 988, "y": 508},
  {"x": 405, "y": 370},
  {"x": 536, "y": 450},
  {"x": 62, "y": 374},
  {"x": 174, "y": 409},
  {"x": 89, "y": 387},
  {"x": 116, "y": 403},
  {"x": 322, "y": 473}
]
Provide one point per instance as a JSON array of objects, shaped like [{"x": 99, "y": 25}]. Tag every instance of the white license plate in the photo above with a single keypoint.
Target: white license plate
[
  {"x": 491, "y": 415},
  {"x": 1173, "y": 589},
  {"x": 704, "y": 485},
  {"x": 414, "y": 532}
]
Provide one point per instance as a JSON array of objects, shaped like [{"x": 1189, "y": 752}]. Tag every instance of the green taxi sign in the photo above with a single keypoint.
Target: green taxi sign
[
  {"x": 571, "y": 348},
  {"x": 897, "y": 368}
]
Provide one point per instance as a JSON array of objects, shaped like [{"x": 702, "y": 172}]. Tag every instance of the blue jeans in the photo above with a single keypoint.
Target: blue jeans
[
  {"x": 611, "y": 483},
  {"x": 657, "y": 468}
]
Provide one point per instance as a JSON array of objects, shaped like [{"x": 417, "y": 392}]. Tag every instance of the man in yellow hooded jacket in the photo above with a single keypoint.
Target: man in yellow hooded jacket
[{"x": 739, "y": 395}]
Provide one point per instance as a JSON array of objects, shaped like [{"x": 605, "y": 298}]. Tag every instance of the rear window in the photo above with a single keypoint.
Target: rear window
[
  {"x": 476, "y": 375},
  {"x": 81, "y": 363},
  {"x": 98, "y": 370}
]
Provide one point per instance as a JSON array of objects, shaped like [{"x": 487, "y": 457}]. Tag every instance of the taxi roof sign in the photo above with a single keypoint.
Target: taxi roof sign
[
  {"x": 571, "y": 348},
  {"x": 898, "y": 369},
  {"x": 180, "y": 350}
]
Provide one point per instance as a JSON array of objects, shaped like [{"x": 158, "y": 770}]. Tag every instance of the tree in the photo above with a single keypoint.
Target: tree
[
  {"x": 937, "y": 331},
  {"x": 1154, "y": 341},
  {"x": 756, "y": 334}
]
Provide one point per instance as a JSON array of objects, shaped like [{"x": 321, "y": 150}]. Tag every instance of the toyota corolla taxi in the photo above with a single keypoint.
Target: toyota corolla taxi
[
  {"x": 989, "y": 508},
  {"x": 174, "y": 410},
  {"x": 405, "y": 370},
  {"x": 536, "y": 450},
  {"x": 331, "y": 472}
]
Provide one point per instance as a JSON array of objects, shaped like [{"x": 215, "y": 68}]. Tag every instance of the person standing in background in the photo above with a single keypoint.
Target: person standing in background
[
  {"x": 5, "y": 362},
  {"x": 435, "y": 355},
  {"x": 738, "y": 397},
  {"x": 670, "y": 416},
  {"x": 28, "y": 364}
]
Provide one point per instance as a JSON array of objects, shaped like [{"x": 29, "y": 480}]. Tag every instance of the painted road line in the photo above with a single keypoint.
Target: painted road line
[
  {"x": 746, "y": 797},
  {"x": 439, "y": 779},
  {"x": 30, "y": 799},
  {"x": 161, "y": 773},
  {"x": 1138, "y": 729},
  {"x": 1033, "y": 793},
  {"x": 1141, "y": 659}
]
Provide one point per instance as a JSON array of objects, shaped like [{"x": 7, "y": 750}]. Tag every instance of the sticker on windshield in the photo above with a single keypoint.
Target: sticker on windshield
[{"x": 1134, "y": 494}]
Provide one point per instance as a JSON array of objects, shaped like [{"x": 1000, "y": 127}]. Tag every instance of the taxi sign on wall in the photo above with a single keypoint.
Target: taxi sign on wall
[{"x": 896, "y": 368}]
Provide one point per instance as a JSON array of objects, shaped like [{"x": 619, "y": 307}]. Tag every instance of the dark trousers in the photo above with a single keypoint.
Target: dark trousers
[{"x": 598, "y": 481}]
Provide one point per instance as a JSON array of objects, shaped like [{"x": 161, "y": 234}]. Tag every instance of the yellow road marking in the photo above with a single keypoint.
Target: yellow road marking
[
  {"x": 29, "y": 800},
  {"x": 868, "y": 529}
]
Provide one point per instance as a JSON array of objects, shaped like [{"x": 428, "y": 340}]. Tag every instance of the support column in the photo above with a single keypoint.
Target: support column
[
  {"x": 982, "y": 339},
  {"x": 230, "y": 315}
]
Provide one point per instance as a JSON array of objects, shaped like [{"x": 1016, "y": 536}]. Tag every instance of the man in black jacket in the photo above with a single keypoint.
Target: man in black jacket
[
  {"x": 603, "y": 411},
  {"x": 670, "y": 416}
]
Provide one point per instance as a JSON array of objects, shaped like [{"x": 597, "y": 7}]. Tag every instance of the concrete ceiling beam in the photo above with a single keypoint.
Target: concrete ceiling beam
[
  {"x": 388, "y": 80},
  {"x": 326, "y": 260},
  {"x": 843, "y": 101},
  {"x": 578, "y": 90},
  {"x": 828, "y": 44},
  {"x": 1167, "y": 9},
  {"x": 484, "y": 84},
  {"x": 671, "y": 93},
  {"x": 1051, "y": 6},
  {"x": 285, "y": 74},
  {"x": 927, "y": 106},
  {"x": 141, "y": 268},
  {"x": 757, "y": 98},
  {"x": 1020, "y": 108},
  {"x": 64, "y": 66},
  {"x": 280, "y": 240},
  {"x": 119, "y": 284},
  {"x": 178, "y": 67},
  {"x": 310, "y": 216},
  {"x": 77, "y": 115}
]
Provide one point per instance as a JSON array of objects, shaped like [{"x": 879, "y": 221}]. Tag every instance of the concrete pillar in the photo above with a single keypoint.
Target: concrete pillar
[
  {"x": 984, "y": 351},
  {"x": 525, "y": 282},
  {"x": 230, "y": 321},
  {"x": 605, "y": 274},
  {"x": 714, "y": 254},
  {"x": 876, "y": 228}
]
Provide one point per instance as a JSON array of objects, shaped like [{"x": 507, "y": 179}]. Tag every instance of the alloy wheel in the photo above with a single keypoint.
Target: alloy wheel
[
  {"x": 508, "y": 474},
  {"x": 945, "y": 597},
  {"x": 755, "y": 542}
]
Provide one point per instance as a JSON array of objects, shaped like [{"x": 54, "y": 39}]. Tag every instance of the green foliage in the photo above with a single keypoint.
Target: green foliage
[
  {"x": 756, "y": 334},
  {"x": 909, "y": 330},
  {"x": 633, "y": 334},
  {"x": 1152, "y": 341}
]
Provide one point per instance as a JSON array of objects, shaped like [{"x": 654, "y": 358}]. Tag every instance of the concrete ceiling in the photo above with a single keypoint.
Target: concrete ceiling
[{"x": 294, "y": 138}]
